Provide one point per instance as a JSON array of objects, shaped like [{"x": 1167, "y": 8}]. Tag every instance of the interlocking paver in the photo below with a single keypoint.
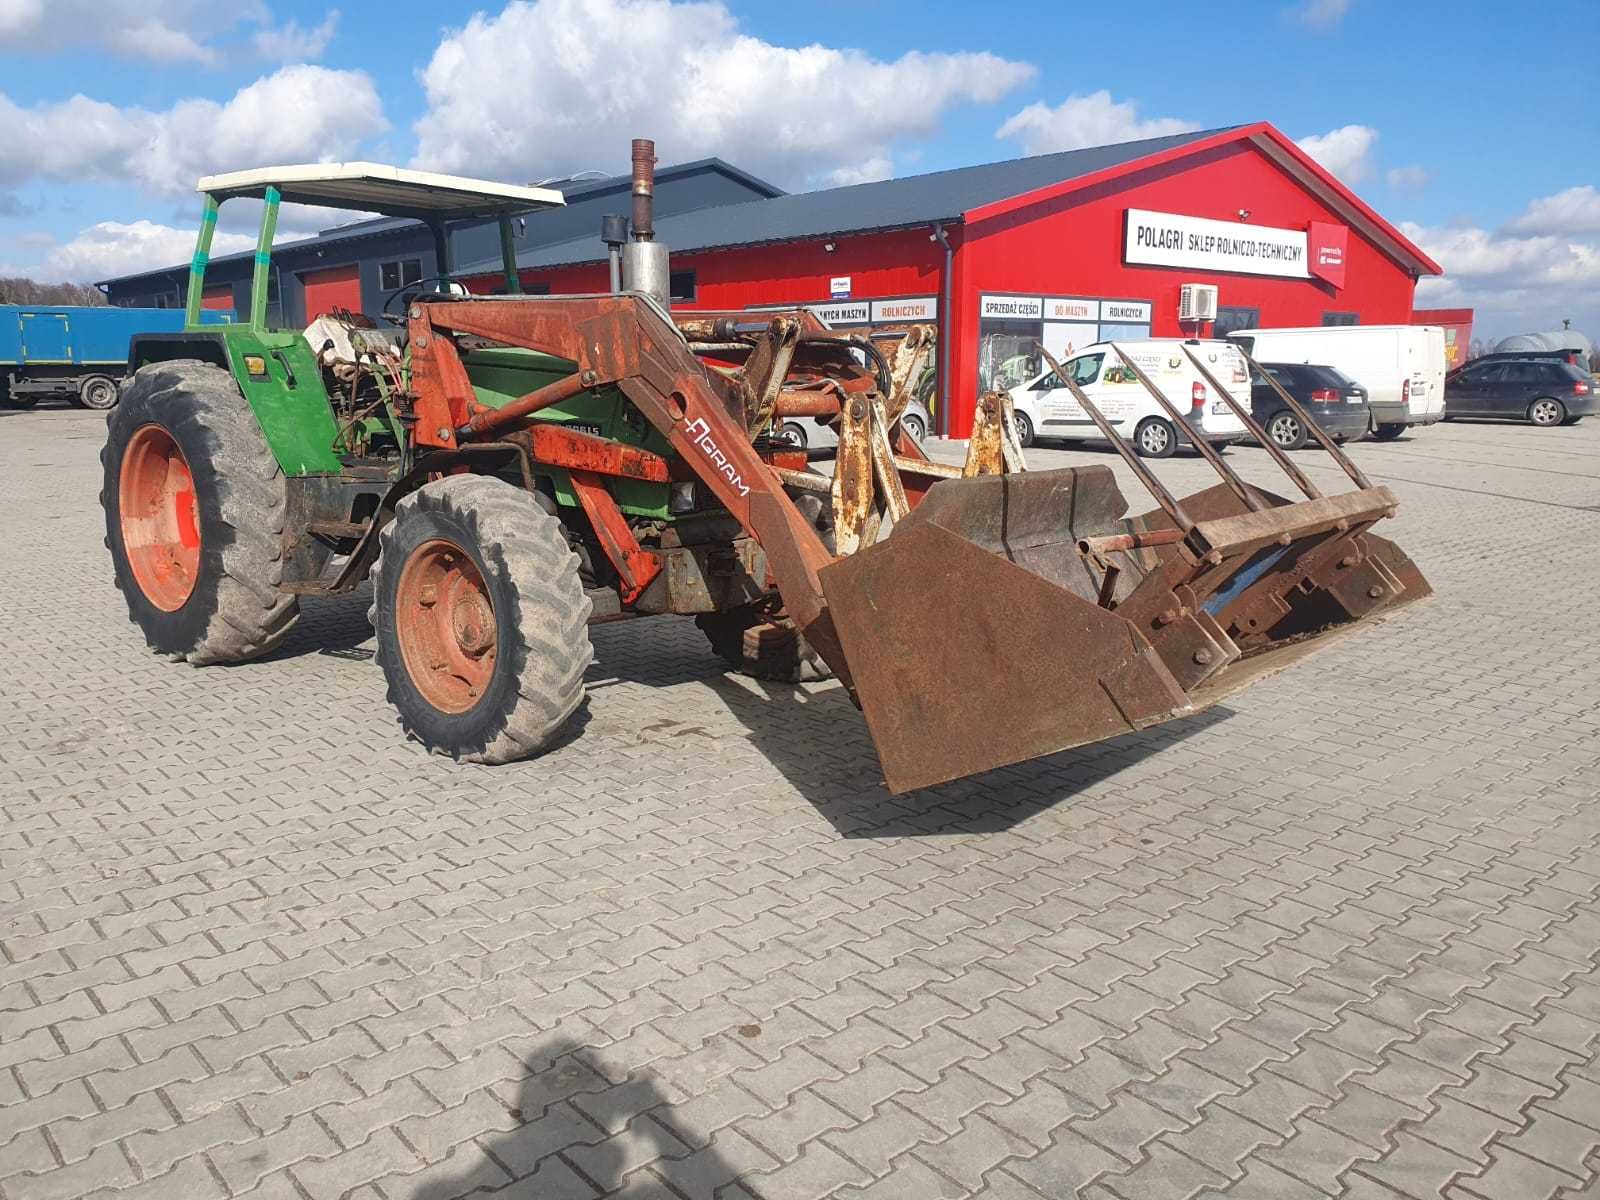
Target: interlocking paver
[{"x": 1336, "y": 936}]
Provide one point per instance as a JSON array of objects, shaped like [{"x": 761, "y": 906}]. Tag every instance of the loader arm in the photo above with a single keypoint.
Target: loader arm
[{"x": 626, "y": 341}]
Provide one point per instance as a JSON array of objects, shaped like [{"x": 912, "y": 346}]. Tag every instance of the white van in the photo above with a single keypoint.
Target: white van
[
  {"x": 1047, "y": 409},
  {"x": 1401, "y": 366}
]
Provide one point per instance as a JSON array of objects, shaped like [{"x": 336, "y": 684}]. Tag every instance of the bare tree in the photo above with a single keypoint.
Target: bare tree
[{"x": 19, "y": 290}]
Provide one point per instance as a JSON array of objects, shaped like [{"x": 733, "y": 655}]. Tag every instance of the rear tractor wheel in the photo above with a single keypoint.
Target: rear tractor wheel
[
  {"x": 481, "y": 620},
  {"x": 195, "y": 506}
]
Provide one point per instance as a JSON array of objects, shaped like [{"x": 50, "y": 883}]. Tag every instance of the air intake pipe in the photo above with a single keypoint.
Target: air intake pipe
[{"x": 645, "y": 261}]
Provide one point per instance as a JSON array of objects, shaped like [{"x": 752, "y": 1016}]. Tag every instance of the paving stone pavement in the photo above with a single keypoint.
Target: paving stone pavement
[{"x": 1337, "y": 938}]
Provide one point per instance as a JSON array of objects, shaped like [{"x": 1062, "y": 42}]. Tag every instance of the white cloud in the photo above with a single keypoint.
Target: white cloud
[
  {"x": 869, "y": 170},
  {"x": 112, "y": 248},
  {"x": 157, "y": 30},
  {"x": 1322, "y": 15},
  {"x": 282, "y": 118},
  {"x": 155, "y": 40},
  {"x": 1411, "y": 178},
  {"x": 1576, "y": 210},
  {"x": 1516, "y": 283},
  {"x": 1092, "y": 120},
  {"x": 161, "y": 31},
  {"x": 557, "y": 86},
  {"x": 292, "y": 43},
  {"x": 1346, "y": 151}
]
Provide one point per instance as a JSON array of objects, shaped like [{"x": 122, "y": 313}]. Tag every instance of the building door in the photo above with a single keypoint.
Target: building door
[
  {"x": 1232, "y": 317},
  {"x": 335, "y": 287}
]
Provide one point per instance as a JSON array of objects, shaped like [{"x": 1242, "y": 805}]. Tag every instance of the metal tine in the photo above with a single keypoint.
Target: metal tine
[
  {"x": 1167, "y": 501},
  {"x": 1323, "y": 440},
  {"x": 1207, "y": 451},
  {"x": 1280, "y": 456}
]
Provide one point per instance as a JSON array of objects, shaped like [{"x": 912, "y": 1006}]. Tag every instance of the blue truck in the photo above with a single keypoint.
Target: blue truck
[{"x": 76, "y": 351}]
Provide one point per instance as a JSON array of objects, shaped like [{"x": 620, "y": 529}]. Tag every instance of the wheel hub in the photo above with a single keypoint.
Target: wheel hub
[
  {"x": 444, "y": 621},
  {"x": 159, "y": 518}
]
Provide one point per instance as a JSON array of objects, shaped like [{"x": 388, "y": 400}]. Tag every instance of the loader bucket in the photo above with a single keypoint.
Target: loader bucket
[{"x": 1011, "y": 616}]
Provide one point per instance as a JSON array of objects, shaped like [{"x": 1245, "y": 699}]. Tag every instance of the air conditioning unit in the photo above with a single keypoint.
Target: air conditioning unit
[{"x": 1197, "y": 302}]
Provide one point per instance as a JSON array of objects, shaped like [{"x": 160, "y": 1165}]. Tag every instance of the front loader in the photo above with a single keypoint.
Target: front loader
[{"x": 510, "y": 469}]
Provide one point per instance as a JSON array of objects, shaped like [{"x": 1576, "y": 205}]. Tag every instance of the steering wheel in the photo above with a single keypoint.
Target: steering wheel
[{"x": 409, "y": 293}]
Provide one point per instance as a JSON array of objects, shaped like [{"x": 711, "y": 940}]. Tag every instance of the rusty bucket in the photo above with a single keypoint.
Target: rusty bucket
[{"x": 1014, "y": 615}]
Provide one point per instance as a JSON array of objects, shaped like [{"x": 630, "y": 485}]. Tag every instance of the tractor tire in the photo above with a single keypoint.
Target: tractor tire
[
  {"x": 195, "y": 508},
  {"x": 759, "y": 641},
  {"x": 481, "y": 620}
]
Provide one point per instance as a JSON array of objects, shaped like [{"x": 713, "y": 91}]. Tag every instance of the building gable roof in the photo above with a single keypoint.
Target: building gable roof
[
  {"x": 971, "y": 194},
  {"x": 911, "y": 200}
]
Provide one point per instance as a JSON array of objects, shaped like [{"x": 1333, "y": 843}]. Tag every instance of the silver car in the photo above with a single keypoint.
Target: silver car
[{"x": 806, "y": 433}]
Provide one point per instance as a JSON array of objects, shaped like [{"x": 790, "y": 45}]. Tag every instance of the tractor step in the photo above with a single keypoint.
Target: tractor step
[{"x": 337, "y": 530}]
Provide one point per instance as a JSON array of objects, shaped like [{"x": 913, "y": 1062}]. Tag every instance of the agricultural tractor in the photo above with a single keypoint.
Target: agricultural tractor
[{"x": 509, "y": 469}]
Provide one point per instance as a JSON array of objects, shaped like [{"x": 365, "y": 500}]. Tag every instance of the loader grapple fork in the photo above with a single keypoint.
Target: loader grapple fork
[{"x": 983, "y": 614}]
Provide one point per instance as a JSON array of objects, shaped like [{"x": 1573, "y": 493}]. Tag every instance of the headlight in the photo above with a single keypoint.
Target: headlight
[{"x": 681, "y": 498}]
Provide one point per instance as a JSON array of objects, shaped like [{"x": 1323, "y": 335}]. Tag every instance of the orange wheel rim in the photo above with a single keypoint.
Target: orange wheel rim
[
  {"x": 445, "y": 624},
  {"x": 160, "y": 522}
]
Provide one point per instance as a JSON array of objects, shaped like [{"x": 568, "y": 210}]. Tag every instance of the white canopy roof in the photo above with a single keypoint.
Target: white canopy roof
[{"x": 375, "y": 187}]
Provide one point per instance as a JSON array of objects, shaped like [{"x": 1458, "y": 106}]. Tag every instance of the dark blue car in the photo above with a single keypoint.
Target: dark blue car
[{"x": 1337, "y": 403}]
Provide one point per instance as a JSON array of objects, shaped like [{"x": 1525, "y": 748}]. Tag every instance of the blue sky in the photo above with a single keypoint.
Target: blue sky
[{"x": 1467, "y": 124}]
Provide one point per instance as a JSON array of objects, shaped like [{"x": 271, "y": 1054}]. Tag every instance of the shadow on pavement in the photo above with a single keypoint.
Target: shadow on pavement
[
  {"x": 335, "y": 626},
  {"x": 819, "y": 742},
  {"x": 583, "y": 1124}
]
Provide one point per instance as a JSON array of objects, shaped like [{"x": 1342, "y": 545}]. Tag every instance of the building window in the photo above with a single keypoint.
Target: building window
[
  {"x": 1231, "y": 318},
  {"x": 400, "y": 273},
  {"x": 1341, "y": 318},
  {"x": 680, "y": 286}
]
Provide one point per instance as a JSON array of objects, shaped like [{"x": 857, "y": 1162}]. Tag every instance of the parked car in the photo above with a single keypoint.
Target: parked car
[
  {"x": 804, "y": 433},
  {"x": 1576, "y": 357},
  {"x": 1401, "y": 366},
  {"x": 1542, "y": 390},
  {"x": 1337, "y": 403},
  {"x": 1046, "y": 408}
]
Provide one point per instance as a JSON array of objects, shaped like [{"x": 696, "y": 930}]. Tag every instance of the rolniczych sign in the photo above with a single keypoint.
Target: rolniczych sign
[{"x": 1173, "y": 240}]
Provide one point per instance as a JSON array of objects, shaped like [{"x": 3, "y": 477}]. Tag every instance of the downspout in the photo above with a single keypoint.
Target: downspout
[{"x": 947, "y": 325}]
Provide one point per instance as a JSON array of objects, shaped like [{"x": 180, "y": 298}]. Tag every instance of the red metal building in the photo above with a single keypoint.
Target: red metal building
[{"x": 1064, "y": 248}]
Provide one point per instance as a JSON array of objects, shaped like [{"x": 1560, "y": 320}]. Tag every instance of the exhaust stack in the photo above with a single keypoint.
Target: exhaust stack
[{"x": 645, "y": 261}]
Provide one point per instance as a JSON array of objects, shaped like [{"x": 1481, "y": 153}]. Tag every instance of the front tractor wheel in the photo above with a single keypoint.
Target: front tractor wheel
[
  {"x": 195, "y": 506},
  {"x": 481, "y": 620}
]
